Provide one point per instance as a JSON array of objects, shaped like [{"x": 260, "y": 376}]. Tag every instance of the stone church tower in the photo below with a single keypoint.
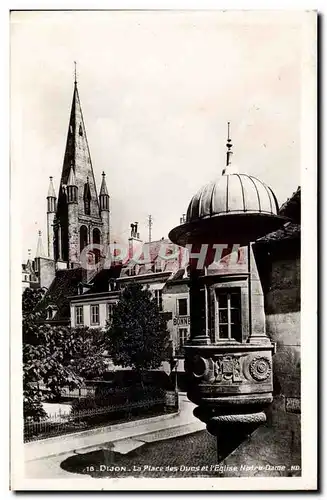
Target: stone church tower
[{"x": 78, "y": 217}]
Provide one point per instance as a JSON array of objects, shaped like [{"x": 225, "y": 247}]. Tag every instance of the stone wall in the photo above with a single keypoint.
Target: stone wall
[{"x": 283, "y": 322}]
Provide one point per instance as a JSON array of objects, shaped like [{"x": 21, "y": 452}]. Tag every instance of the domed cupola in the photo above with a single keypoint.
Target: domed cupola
[{"x": 234, "y": 208}]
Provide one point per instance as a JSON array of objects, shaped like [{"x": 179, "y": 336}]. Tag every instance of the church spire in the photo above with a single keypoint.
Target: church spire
[
  {"x": 78, "y": 220},
  {"x": 51, "y": 191},
  {"x": 77, "y": 155},
  {"x": 51, "y": 198},
  {"x": 39, "y": 249},
  {"x": 104, "y": 196},
  {"x": 103, "y": 189}
]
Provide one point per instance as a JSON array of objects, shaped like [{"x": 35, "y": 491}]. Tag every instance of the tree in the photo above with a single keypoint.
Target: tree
[
  {"x": 57, "y": 357},
  {"x": 138, "y": 335},
  {"x": 30, "y": 298}
]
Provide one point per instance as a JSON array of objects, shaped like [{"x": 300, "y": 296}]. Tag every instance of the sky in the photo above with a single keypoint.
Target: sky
[{"x": 157, "y": 90}]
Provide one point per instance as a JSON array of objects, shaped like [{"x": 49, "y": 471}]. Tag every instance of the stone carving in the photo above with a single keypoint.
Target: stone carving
[
  {"x": 260, "y": 368},
  {"x": 221, "y": 369},
  {"x": 227, "y": 368}
]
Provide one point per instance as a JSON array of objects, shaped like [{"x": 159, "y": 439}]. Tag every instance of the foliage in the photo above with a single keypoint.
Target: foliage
[
  {"x": 31, "y": 297},
  {"x": 55, "y": 357},
  {"x": 138, "y": 335}
]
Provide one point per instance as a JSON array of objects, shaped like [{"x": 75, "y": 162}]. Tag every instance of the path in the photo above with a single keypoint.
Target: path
[{"x": 119, "y": 438}]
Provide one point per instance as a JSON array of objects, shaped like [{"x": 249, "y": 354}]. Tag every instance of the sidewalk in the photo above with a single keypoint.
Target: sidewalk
[{"x": 42, "y": 460}]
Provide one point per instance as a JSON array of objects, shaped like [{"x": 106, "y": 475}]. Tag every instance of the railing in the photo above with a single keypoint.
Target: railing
[{"x": 75, "y": 421}]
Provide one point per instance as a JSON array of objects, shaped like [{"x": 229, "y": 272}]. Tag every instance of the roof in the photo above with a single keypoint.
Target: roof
[
  {"x": 103, "y": 189},
  {"x": 232, "y": 193},
  {"x": 40, "y": 249},
  {"x": 65, "y": 284},
  {"x": 71, "y": 179},
  {"x": 292, "y": 207},
  {"x": 77, "y": 154},
  {"x": 101, "y": 280},
  {"x": 156, "y": 252},
  {"x": 291, "y": 230},
  {"x": 51, "y": 191}
]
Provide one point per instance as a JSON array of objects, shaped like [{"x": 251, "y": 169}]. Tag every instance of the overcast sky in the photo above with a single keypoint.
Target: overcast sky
[{"x": 157, "y": 90}]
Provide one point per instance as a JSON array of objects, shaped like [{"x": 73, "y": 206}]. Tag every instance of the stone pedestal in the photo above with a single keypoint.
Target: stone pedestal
[{"x": 230, "y": 383}]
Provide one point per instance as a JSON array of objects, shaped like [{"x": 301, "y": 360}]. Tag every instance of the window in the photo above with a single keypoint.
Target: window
[
  {"x": 51, "y": 311},
  {"x": 83, "y": 239},
  {"x": 182, "y": 307},
  {"x": 80, "y": 130},
  {"x": 228, "y": 315},
  {"x": 95, "y": 314},
  {"x": 87, "y": 207},
  {"x": 158, "y": 298},
  {"x": 182, "y": 337},
  {"x": 110, "y": 312},
  {"x": 79, "y": 315}
]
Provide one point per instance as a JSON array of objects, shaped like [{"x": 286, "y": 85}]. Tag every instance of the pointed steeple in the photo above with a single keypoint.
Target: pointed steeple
[
  {"x": 104, "y": 196},
  {"x": 51, "y": 191},
  {"x": 78, "y": 201},
  {"x": 77, "y": 154},
  {"x": 51, "y": 198},
  {"x": 39, "y": 249},
  {"x": 71, "y": 179},
  {"x": 103, "y": 189},
  {"x": 71, "y": 187}
]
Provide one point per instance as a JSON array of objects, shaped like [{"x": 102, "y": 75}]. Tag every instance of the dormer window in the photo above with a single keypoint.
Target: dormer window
[
  {"x": 51, "y": 312},
  {"x": 80, "y": 131}
]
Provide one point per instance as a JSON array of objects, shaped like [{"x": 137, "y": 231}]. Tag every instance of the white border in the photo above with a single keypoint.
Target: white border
[{"x": 309, "y": 280}]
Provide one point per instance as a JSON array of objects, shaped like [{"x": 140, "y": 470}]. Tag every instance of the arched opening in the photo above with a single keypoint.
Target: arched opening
[
  {"x": 96, "y": 240},
  {"x": 82, "y": 237}
]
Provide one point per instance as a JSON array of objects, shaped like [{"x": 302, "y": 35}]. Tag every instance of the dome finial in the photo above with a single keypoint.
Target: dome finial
[{"x": 229, "y": 146}]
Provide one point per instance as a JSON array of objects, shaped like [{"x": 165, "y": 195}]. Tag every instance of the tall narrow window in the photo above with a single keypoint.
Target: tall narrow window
[
  {"x": 95, "y": 314},
  {"x": 228, "y": 315},
  {"x": 182, "y": 338},
  {"x": 87, "y": 199},
  {"x": 87, "y": 207},
  {"x": 79, "y": 315},
  {"x": 182, "y": 307},
  {"x": 83, "y": 237}
]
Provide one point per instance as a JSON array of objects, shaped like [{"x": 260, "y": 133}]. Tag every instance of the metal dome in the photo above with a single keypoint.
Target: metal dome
[
  {"x": 236, "y": 208},
  {"x": 232, "y": 194}
]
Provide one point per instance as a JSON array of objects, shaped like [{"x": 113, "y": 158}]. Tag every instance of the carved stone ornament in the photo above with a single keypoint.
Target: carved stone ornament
[{"x": 260, "y": 368}]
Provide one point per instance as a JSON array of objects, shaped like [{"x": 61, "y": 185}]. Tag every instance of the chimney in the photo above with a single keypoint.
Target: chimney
[{"x": 134, "y": 242}]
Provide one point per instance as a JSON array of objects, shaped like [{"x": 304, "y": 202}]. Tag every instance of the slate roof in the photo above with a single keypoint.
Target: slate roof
[
  {"x": 65, "y": 284},
  {"x": 291, "y": 230},
  {"x": 100, "y": 282},
  {"x": 292, "y": 207}
]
